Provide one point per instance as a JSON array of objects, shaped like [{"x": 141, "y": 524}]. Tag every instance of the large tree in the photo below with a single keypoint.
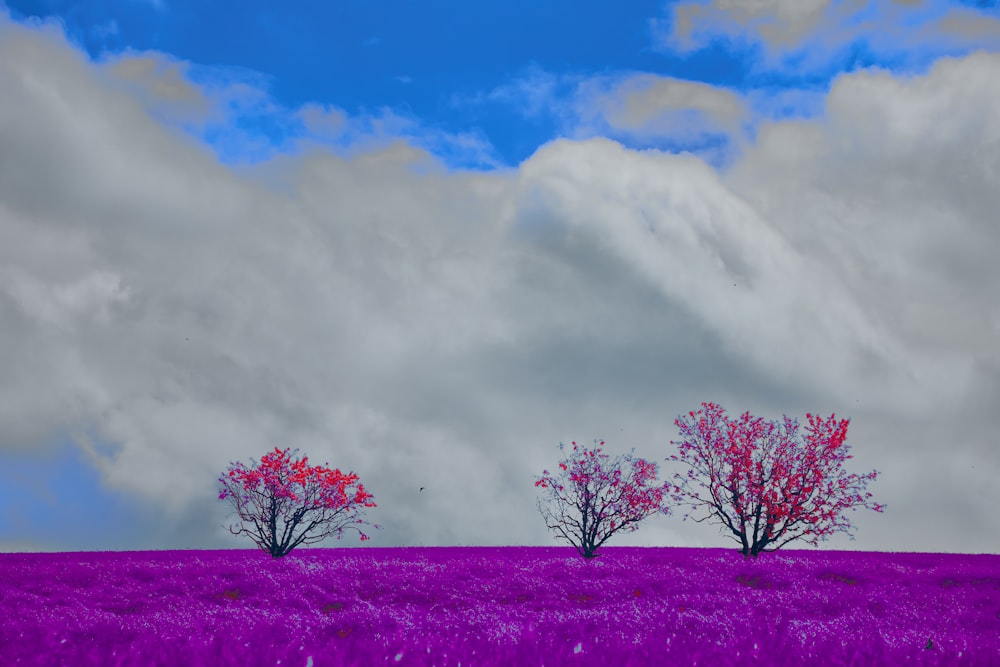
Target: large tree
[
  {"x": 594, "y": 498},
  {"x": 765, "y": 485},
  {"x": 285, "y": 502}
]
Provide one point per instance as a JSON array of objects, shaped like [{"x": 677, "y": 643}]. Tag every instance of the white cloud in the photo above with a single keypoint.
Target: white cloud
[
  {"x": 897, "y": 182},
  {"x": 534, "y": 93},
  {"x": 376, "y": 130},
  {"x": 966, "y": 25},
  {"x": 160, "y": 84},
  {"x": 323, "y": 121},
  {"x": 649, "y": 96},
  {"x": 106, "y": 29},
  {"x": 427, "y": 327},
  {"x": 808, "y": 35},
  {"x": 779, "y": 22},
  {"x": 646, "y": 106},
  {"x": 238, "y": 101},
  {"x": 674, "y": 222},
  {"x": 638, "y": 108},
  {"x": 57, "y": 304},
  {"x": 777, "y": 103}
]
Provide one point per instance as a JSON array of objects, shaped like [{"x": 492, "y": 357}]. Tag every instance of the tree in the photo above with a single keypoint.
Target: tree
[
  {"x": 592, "y": 499},
  {"x": 284, "y": 502},
  {"x": 763, "y": 484}
]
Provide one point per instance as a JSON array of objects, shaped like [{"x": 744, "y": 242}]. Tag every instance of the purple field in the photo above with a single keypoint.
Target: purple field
[{"x": 499, "y": 606}]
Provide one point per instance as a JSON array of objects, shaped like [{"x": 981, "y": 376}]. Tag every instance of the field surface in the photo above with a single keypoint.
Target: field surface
[{"x": 498, "y": 606}]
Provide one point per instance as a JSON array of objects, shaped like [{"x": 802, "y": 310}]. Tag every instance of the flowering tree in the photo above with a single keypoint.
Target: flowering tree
[
  {"x": 284, "y": 502},
  {"x": 764, "y": 485},
  {"x": 593, "y": 499}
]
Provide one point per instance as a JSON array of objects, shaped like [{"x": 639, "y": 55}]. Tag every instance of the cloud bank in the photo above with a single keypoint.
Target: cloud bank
[
  {"x": 427, "y": 326},
  {"x": 808, "y": 36}
]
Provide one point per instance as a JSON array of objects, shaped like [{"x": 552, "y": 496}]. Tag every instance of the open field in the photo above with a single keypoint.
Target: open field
[{"x": 499, "y": 606}]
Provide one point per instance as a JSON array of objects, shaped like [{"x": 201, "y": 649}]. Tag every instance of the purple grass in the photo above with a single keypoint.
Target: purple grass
[{"x": 499, "y": 606}]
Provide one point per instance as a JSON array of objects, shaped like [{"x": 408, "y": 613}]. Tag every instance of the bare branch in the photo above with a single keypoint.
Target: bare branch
[
  {"x": 757, "y": 475},
  {"x": 593, "y": 498},
  {"x": 289, "y": 503}
]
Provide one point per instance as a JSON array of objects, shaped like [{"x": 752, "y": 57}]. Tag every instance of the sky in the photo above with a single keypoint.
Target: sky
[{"x": 428, "y": 242}]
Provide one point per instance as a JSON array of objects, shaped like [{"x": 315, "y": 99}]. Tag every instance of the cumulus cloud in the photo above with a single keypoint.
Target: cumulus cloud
[
  {"x": 163, "y": 80},
  {"x": 225, "y": 106},
  {"x": 971, "y": 26},
  {"x": 896, "y": 178},
  {"x": 433, "y": 327},
  {"x": 534, "y": 92},
  {"x": 323, "y": 120},
  {"x": 636, "y": 108},
  {"x": 779, "y": 22},
  {"x": 803, "y": 36},
  {"x": 646, "y": 105}
]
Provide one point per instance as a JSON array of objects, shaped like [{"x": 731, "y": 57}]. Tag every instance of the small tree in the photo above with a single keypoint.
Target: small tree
[
  {"x": 593, "y": 499},
  {"x": 284, "y": 502},
  {"x": 762, "y": 484}
]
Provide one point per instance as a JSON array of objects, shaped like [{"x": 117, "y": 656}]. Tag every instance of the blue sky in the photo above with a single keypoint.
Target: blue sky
[
  {"x": 363, "y": 57},
  {"x": 427, "y": 238},
  {"x": 501, "y": 75}
]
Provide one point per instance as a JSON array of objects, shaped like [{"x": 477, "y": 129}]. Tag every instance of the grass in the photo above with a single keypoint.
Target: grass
[{"x": 499, "y": 606}]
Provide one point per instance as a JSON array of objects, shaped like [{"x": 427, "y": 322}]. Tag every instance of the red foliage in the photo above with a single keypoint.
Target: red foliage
[
  {"x": 592, "y": 499},
  {"x": 762, "y": 483},
  {"x": 280, "y": 495}
]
